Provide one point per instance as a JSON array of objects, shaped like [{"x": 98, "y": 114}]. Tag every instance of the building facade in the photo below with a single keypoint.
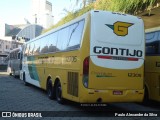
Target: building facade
[
  {"x": 13, "y": 36},
  {"x": 42, "y": 13}
]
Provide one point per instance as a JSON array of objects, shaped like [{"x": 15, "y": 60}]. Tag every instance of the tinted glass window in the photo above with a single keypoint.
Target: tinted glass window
[
  {"x": 31, "y": 48},
  {"x": 152, "y": 43},
  {"x": 37, "y": 47},
  {"x": 158, "y": 35},
  {"x": 62, "y": 39},
  {"x": 152, "y": 48},
  {"x": 75, "y": 35},
  {"x": 52, "y": 41},
  {"x": 150, "y": 36},
  {"x": 44, "y": 47}
]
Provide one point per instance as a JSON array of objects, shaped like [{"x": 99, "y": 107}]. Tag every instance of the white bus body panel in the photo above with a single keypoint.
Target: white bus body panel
[{"x": 105, "y": 37}]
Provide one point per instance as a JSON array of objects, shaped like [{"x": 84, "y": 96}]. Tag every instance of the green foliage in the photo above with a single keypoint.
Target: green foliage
[{"x": 124, "y": 6}]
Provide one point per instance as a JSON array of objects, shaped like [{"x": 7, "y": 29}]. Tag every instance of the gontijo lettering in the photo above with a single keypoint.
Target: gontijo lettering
[{"x": 117, "y": 51}]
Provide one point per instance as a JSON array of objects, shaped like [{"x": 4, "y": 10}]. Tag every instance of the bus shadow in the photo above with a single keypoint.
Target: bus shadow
[
  {"x": 87, "y": 107},
  {"x": 95, "y": 109},
  {"x": 151, "y": 104},
  {"x": 94, "y": 106},
  {"x": 85, "y": 110},
  {"x": 92, "y": 109},
  {"x": 33, "y": 87}
]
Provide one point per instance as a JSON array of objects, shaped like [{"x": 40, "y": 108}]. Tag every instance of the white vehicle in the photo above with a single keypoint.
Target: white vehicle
[{"x": 15, "y": 62}]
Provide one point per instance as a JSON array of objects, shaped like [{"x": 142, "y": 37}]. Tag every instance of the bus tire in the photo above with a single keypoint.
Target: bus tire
[
  {"x": 50, "y": 90},
  {"x": 59, "y": 93},
  {"x": 14, "y": 74},
  {"x": 146, "y": 96},
  {"x": 24, "y": 80}
]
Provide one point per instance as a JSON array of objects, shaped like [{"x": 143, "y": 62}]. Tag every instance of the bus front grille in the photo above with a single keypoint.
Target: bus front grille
[{"x": 72, "y": 83}]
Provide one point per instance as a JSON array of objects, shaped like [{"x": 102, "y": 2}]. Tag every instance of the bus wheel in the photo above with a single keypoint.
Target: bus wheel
[
  {"x": 24, "y": 80},
  {"x": 146, "y": 96},
  {"x": 14, "y": 74},
  {"x": 50, "y": 91},
  {"x": 59, "y": 93}
]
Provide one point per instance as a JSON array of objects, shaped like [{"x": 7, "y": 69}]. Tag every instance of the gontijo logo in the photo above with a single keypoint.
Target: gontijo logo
[{"x": 120, "y": 28}]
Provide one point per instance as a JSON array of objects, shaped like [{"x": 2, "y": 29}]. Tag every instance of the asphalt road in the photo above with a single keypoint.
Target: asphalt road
[{"x": 20, "y": 100}]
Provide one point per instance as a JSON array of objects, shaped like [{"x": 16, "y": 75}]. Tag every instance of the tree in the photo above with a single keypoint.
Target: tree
[{"x": 124, "y": 6}]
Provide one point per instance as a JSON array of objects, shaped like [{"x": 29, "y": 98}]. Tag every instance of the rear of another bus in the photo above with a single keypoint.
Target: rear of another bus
[
  {"x": 14, "y": 62},
  {"x": 113, "y": 69},
  {"x": 152, "y": 64}
]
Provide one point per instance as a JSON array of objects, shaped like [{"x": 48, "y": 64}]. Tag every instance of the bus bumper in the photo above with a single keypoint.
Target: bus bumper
[{"x": 109, "y": 96}]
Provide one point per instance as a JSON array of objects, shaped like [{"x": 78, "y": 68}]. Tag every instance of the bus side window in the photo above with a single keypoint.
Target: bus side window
[
  {"x": 31, "y": 48},
  {"x": 158, "y": 42},
  {"x": 37, "y": 47},
  {"x": 52, "y": 42},
  {"x": 75, "y": 35},
  {"x": 150, "y": 36},
  {"x": 44, "y": 47},
  {"x": 16, "y": 54},
  {"x": 62, "y": 39},
  {"x": 152, "y": 43}
]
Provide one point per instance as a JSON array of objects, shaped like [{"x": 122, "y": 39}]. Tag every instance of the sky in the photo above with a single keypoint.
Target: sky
[{"x": 14, "y": 11}]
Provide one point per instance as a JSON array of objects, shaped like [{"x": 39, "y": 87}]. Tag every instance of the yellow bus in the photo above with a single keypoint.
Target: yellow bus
[
  {"x": 96, "y": 58},
  {"x": 152, "y": 64}
]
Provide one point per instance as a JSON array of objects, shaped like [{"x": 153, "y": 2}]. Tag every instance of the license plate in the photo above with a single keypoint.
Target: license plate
[{"x": 117, "y": 92}]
